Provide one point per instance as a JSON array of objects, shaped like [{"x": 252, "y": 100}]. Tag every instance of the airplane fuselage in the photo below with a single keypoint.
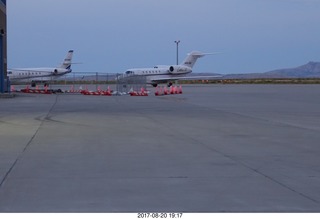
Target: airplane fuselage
[
  {"x": 34, "y": 73},
  {"x": 159, "y": 70}
]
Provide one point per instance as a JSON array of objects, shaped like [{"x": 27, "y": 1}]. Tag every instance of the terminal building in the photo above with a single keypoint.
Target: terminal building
[{"x": 3, "y": 47}]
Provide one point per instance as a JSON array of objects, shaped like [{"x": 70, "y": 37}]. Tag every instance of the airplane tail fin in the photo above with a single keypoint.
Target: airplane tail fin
[
  {"x": 67, "y": 61},
  {"x": 193, "y": 57}
]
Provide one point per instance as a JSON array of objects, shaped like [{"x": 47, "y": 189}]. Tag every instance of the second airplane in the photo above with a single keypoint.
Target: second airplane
[{"x": 169, "y": 73}]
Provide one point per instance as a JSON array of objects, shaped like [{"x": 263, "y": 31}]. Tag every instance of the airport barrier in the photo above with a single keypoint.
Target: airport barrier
[
  {"x": 99, "y": 92},
  {"x": 73, "y": 91},
  {"x": 12, "y": 88},
  {"x": 142, "y": 92},
  {"x": 96, "y": 93},
  {"x": 37, "y": 90},
  {"x": 164, "y": 91},
  {"x": 159, "y": 91}
]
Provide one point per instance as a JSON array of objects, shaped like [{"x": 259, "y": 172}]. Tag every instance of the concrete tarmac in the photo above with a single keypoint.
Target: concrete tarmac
[{"x": 215, "y": 148}]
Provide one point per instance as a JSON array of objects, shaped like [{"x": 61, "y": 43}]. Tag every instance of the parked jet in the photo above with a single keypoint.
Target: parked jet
[
  {"x": 169, "y": 73},
  {"x": 42, "y": 74}
]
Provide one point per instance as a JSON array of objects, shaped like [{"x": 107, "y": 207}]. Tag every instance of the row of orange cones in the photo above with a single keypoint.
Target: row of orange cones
[
  {"x": 12, "y": 89},
  {"x": 142, "y": 92},
  {"x": 164, "y": 91},
  {"x": 107, "y": 92},
  {"x": 158, "y": 92},
  {"x": 36, "y": 90}
]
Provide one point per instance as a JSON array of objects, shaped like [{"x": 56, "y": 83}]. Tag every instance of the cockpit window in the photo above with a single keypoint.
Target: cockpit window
[
  {"x": 9, "y": 72},
  {"x": 129, "y": 72}
]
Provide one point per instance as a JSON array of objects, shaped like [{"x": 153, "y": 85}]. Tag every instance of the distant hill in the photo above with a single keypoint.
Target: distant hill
[{"x": 309, "y": 70}]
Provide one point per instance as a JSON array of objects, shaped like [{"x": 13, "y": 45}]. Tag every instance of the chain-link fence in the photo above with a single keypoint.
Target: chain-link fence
[
  {"x": 122, "y": 84},
  {"x": 132, "y": 83},
  {"x": 119, "y": 83}
]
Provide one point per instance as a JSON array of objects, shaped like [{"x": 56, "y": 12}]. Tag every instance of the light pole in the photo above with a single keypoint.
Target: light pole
[{"x": 177, "y": 42}]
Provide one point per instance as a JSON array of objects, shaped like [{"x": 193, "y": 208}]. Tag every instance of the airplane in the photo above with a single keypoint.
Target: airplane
[
  {"x": 169, "y": 74},
  {"x": 42, "y": 74}
]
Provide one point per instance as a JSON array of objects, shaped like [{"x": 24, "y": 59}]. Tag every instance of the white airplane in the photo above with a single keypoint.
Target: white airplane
[
  {"x": 42, "y": 74},
  {"x": 169, "y": 74}
]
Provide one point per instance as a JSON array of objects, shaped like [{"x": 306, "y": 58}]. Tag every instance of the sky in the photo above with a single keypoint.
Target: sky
[{"x": 111, "y": 36}]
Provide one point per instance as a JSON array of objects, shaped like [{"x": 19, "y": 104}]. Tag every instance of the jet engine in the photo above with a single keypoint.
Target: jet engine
[
  {"x": 178, "y": 69},
  {"x": 174, "y": 69}
]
